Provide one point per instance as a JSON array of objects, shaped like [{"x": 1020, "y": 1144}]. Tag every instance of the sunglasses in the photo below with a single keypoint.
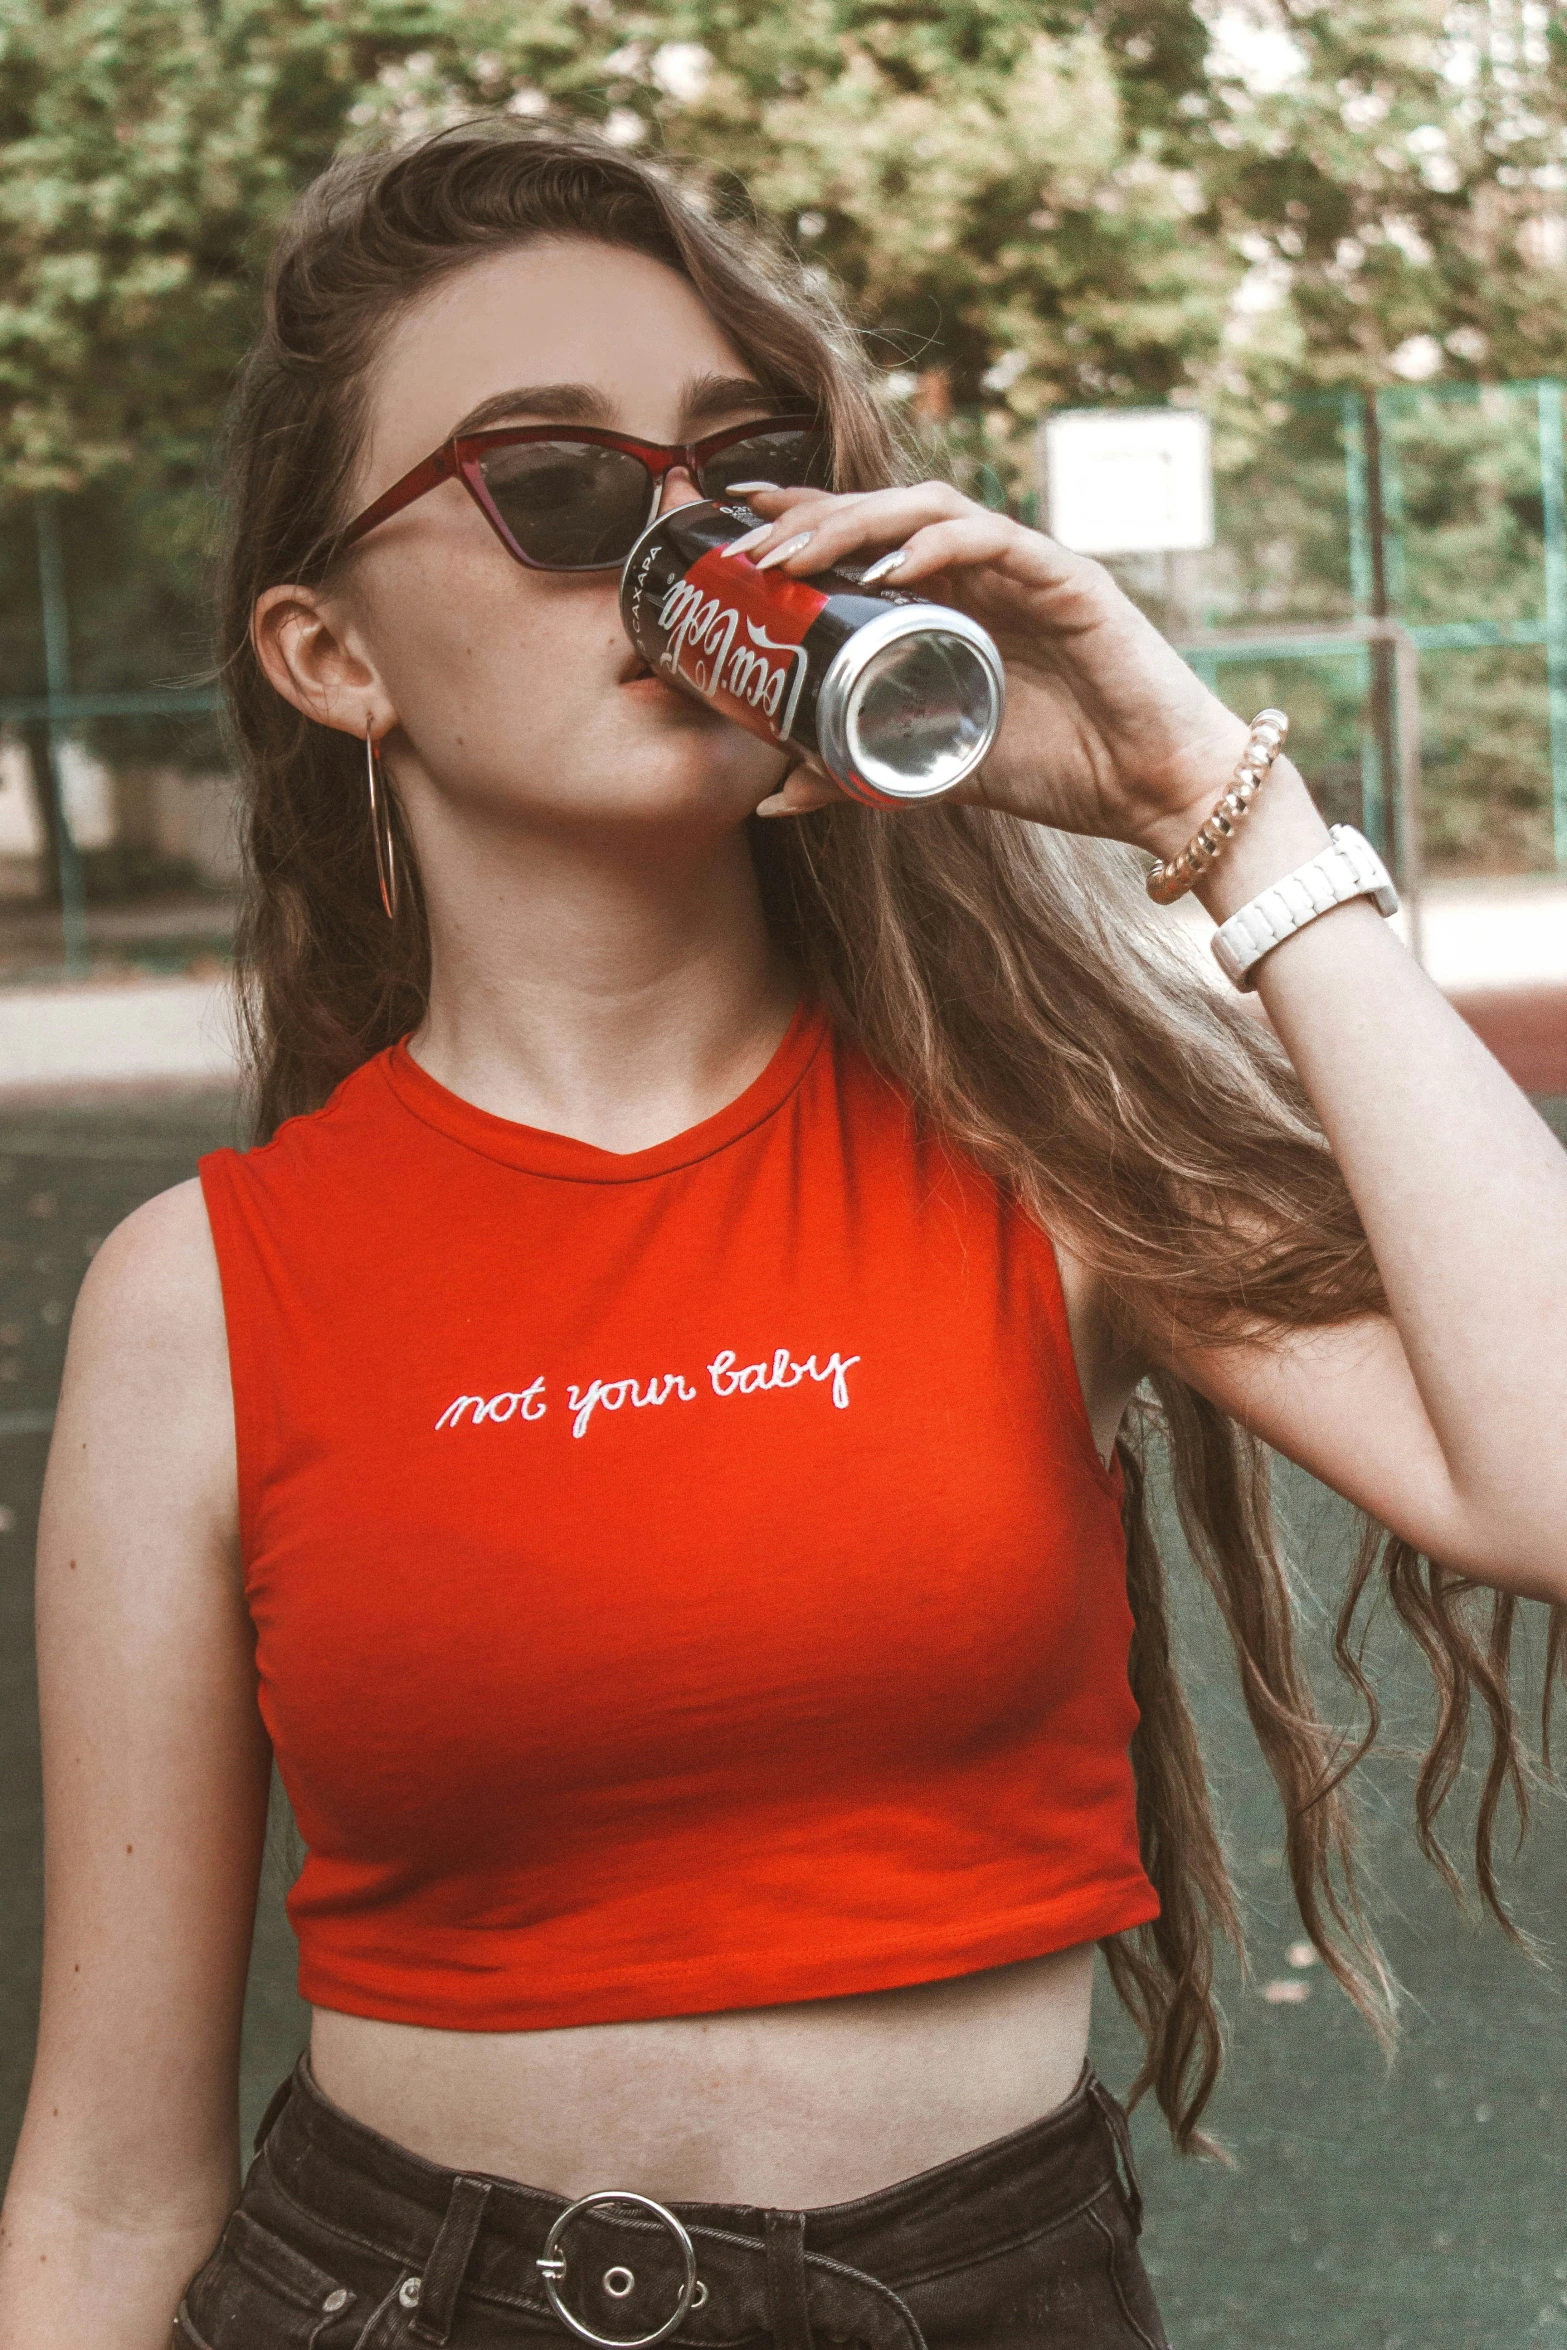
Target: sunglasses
[{"x": 579, "y": 500}]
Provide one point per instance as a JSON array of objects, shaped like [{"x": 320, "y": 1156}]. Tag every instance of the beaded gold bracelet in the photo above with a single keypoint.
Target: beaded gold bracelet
[{"x": 1172, "y": 880}]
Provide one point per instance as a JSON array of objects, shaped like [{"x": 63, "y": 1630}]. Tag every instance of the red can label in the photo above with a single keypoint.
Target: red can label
[{"x": 737, "y": 636}]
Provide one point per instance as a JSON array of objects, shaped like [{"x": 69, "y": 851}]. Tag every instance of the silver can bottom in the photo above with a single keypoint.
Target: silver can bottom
[{"x": 911, "y": 704}]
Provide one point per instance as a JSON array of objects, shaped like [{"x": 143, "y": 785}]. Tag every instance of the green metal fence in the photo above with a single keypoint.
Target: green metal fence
[
  {"x": 1393, "y": 564},
  {"x": 61, "y": 712},
  {"x": 1380, "y": 571}
]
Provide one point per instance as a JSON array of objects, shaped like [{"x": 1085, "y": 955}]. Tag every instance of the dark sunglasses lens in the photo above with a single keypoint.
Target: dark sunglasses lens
[
  {"x": 795, "y": 459},
  {"x": 569, "y": 505}
]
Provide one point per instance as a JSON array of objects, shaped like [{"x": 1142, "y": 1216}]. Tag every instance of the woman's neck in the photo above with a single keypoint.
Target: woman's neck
[{"x": 615, "y": 987}]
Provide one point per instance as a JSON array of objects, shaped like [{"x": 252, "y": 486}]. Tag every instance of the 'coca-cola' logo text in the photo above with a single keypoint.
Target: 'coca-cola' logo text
[{"x": 701, "y": 632}]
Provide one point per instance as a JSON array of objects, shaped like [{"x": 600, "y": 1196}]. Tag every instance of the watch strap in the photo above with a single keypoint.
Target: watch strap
[{"x": 1348, "y": 868}]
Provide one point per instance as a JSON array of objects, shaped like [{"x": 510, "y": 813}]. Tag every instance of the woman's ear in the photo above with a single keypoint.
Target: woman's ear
[{"x": 310, "y": 653}]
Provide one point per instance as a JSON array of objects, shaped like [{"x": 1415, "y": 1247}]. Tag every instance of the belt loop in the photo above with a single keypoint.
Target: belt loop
[
  {"x": 788, "y": 2315},
  {"x": 275, "y": 2104},
  {"x": 1121, "y": 2132},
  {"x": 448, "y": 2262}
]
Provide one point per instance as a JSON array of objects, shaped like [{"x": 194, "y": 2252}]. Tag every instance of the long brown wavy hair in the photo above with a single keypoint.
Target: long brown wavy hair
[{"x": 1009, "y": 977}]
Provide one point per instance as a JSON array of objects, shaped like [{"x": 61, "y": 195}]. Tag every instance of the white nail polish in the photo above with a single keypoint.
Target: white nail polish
[
  {"x": 789, "y": 547},
  {"x": 752, "y": 538},
  {"x": 743, "y": 489},
  {"x": 883, "y": 569}
]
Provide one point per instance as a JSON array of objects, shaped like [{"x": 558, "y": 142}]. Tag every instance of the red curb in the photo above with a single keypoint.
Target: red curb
[{"x": 1526, "y": 1028}]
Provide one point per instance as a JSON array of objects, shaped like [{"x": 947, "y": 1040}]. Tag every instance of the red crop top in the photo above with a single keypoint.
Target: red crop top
[{"x": 683, "y": 1580}]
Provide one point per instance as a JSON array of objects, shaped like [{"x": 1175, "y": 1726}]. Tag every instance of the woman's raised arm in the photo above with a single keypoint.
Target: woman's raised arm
[
  {"x": 1447, "y": 1421},
  {"x": 156, "y": 1768}
]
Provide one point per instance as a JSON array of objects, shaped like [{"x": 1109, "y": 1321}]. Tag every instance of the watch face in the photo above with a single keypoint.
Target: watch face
[
  {"x": 1230, "y": 963},
  {"x": 1350, "y": 859},
  {"x": 1371, "y": 875}
]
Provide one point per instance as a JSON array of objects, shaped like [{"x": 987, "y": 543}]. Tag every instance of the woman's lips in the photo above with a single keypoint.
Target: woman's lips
[
  {"x": 668, "y": 704},
  {"x": 641, "y": 679},
  {"x": 654, "y": 685}
]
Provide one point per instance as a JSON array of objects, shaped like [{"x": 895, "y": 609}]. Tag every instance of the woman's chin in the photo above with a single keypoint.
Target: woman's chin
[
  {"x": 646, "y": 767},
  {"x": 704, "y": 764}
]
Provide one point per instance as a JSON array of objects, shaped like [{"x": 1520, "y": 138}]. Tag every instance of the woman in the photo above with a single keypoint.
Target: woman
[{"x": 629, "y": 1445}]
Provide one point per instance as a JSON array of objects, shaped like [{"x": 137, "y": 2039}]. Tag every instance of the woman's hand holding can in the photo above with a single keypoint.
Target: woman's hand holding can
[
  {"x": 1106, "y": 730},
  {"x": 898, "y": 700}
]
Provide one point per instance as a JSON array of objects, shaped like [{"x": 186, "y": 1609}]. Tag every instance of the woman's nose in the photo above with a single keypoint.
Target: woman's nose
[{"x": 679, "y": 490}]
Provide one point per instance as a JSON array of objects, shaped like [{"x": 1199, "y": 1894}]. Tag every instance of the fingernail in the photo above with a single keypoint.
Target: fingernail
[
  {"x": 883, "y": 569},
  {"x": 741, "y": 489},
  {"x": 790, "y": 547},
  {"x": 752, "y": 538}
]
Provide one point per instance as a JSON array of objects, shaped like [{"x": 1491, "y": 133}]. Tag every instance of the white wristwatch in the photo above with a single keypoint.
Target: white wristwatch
[{"x": 1349, "y": 869}]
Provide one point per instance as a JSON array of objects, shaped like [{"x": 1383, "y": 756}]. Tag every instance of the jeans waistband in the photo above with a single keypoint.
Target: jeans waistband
[{"x": 835, "y": 2269}]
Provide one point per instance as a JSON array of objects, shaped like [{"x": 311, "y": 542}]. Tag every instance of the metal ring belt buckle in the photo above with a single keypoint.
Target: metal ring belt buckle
[{"x": 551, "y": 2266}]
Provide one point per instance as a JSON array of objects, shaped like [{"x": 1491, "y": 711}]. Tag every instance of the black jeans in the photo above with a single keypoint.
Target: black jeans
[{"x": 344, "y": 2241}]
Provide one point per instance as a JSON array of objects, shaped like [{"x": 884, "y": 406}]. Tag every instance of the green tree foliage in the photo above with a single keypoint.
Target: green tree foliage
[
  {"x": 1054, "y": 203},
  {"x": 987, "y": 186}
]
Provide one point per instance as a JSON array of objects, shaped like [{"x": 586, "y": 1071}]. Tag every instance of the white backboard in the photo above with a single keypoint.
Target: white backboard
[{"x": 1127, "y": 481}]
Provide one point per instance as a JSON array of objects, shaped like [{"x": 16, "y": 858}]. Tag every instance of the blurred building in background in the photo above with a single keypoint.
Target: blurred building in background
[{"x": 171, "y": 826}]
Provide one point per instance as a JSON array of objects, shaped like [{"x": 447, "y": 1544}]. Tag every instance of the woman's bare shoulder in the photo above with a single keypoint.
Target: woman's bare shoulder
[
  {"x": 147, "y": 1365},
  {"x": 156, "y": 1274}
]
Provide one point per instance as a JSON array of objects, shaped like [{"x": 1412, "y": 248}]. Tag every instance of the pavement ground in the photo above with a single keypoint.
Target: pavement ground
[{"x": 1422, "y": 2207}]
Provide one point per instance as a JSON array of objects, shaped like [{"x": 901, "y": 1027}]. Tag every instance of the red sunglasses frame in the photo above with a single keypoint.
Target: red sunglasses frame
[{"x": 458, "y": 460}]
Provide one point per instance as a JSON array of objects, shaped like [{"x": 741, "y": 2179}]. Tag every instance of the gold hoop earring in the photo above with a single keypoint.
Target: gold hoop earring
[{"x": 381, "y": 827}]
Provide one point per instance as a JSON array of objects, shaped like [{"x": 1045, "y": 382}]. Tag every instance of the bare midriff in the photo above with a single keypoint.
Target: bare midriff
[{"x": 789, "y": 2107}]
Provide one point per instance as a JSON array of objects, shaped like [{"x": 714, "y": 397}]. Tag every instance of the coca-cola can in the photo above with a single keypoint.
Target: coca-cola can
[{"x": 899, "y": 700}]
